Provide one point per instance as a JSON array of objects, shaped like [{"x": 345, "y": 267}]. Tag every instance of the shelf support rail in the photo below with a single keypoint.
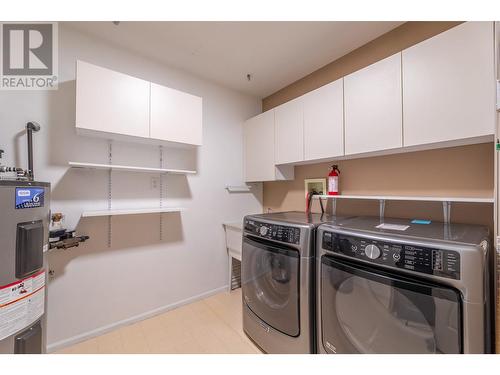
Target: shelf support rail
[
  {"x": 161, "y": 193},
  {"x": 110, "y": 161},
  {"x": 446, "y": 212},
  {"x": 381, "y": 209}
]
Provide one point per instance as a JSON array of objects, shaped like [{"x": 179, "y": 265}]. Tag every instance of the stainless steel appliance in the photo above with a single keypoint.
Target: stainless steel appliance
[
  {"x": 398, "y": 287},
  {"x": 277, "y": 280},
  {"x": 24, "y": 228}
]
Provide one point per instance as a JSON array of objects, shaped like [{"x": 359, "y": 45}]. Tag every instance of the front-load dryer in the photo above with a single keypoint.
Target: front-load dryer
[
  {"x": 399, "y": 287},
  {"x": 277, "y": 280}
]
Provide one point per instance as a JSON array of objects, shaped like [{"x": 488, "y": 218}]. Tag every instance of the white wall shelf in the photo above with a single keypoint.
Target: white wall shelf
[
  {"x": 128, "y": 168},
  {"x": 130, "y": 211},
  {"x": 410, "y": 198},
  {"x": 238, "y": 188},
  {"x": 446, "y": 201}
]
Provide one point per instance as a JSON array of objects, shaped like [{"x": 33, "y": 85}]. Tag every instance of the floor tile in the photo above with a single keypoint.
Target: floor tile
[
  {"x": 212, "y": 325},
  {"x": 85, "y": 347},
  {"x": 134, "y": 340},
  {"x": 110, "y": 343}
]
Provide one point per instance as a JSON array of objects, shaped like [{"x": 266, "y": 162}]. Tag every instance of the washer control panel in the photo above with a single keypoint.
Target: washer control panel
[
  {"x": 274, "y": 232},
  {"x": 444, "y": 263}
]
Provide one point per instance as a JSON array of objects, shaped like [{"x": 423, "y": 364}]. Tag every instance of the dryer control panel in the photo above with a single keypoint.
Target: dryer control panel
[
  {"x": 274, "y": 232},
  {"x": 443, "y": 263}
]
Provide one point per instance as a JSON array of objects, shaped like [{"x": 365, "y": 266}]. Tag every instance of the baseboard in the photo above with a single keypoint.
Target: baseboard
[{"x": 110, "y": 327}]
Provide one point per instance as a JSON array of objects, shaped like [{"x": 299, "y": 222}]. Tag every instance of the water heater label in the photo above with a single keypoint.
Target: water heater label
[
  {"x": 21, "y": 304},
  {"x": 29, "y": 197}
]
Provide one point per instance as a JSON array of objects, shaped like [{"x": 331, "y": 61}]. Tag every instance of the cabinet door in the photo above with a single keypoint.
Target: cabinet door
[
  {"x": 111, "y": 102},
  {"x": 289, "y": 127},
  {"x": 373, "y": 107},
  {"x": 259, "y": 148},
  {"x": 175, "y": 116},
  {"x": 449, "y": 85},
  {"x": 324, "y": 122}
]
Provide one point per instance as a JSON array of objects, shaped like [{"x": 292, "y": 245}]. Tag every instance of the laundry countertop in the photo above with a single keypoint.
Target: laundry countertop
[{"x": 238, "y": 225}]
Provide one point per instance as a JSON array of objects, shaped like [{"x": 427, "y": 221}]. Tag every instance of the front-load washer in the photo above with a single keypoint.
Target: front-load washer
[
  {"x": 399, "y": 287},
  {"x": 277, "y": 276}
]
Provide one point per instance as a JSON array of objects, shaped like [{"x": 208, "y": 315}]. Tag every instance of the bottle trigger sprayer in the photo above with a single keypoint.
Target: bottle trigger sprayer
[{"x": 333, "y": 180}]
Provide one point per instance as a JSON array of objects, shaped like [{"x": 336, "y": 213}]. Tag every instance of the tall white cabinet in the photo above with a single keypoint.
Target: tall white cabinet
[
  {"x": 373, "y": 107},
  {"x": 324, "y": 122},
  {"x": 449, "y": 85},
  {"x": 289, "y": 129},
  {"x": 259, "y": 148}
]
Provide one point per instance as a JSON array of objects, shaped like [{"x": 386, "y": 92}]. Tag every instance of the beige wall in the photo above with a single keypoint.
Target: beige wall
[{"x": 457, "y": 171}]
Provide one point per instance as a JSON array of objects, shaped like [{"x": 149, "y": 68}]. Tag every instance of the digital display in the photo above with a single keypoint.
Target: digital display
[
  {"x": 274, "y": 232},
  {"x": 444, "y": 263}
]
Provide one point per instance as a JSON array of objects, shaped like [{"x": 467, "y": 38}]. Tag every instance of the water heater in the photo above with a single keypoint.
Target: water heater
[
  {"x": 24, "y": 228},
  {"x": 24, "y": 232}
]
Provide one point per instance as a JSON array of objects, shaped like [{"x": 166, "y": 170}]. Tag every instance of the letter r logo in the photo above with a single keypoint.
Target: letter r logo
[{"x": 27, "y": 49}]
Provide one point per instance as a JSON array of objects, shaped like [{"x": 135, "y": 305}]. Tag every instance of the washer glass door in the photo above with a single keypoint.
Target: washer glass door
[
  {"x": 270, "y": 283},
  {"x": 365, "y": 310}
]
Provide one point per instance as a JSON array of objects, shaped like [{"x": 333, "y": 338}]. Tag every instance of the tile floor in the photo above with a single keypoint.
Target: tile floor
[{"x": 212, "y": 325}]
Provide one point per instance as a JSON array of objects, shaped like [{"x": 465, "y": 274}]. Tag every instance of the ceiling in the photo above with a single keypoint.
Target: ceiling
[{"x": 275, "y": 54}]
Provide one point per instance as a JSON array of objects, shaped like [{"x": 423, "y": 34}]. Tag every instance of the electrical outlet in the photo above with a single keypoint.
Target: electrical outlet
[
  {"x": 315, "y": 184},
  {"x": 155, "y": 183}
]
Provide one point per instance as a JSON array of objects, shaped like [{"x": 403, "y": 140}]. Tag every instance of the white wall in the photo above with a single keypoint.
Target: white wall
[{"x": 95, "y": 286}]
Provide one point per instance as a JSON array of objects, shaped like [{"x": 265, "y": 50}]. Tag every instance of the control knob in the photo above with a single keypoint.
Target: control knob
[
  {"x": 263, "y": 230},
  {"x": 372, "y": 251}
]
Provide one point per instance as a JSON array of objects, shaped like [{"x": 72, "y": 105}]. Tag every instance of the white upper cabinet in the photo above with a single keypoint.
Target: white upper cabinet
[
  {"x": 289, "y": 128},
  {"x": 259, "y": 148},
  {"x": 440, "y": 90},
  {"x": 373, "y": 107},
  {"x": 449, "y": 85},
  {"x": 175, "y": 115},
  {"x": 116, "y": 105},
  {"x": 324, "y": 122},
  {"x": 111, "y": 102}
]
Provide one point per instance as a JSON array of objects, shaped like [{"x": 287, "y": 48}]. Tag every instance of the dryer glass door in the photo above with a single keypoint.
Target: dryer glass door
[
  {"x": 270, "y": 284},
  {"x": 365, "y": 310}
]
